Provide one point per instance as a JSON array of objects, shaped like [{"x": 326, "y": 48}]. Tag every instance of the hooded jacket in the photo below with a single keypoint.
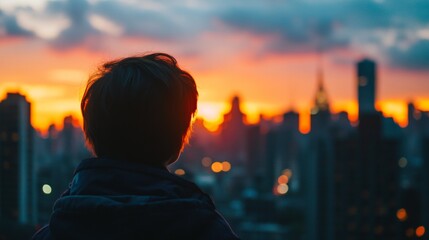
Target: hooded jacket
[{"x": 110, "y": 199}]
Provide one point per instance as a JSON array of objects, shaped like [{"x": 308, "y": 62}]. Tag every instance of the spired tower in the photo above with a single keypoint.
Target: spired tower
[
  {"x": 320, "y": 113},
  {"x": 320, "y": 167},
  {"x": 233, "y": 131}
]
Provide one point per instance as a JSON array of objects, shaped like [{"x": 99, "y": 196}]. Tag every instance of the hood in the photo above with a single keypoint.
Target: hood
[{"x": 110, "y": 199}]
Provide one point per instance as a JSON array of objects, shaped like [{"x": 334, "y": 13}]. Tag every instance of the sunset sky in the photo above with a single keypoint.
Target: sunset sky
[{"x": 267, "y": 52}]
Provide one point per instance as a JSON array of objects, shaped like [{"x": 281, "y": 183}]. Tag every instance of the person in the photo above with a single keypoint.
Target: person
[{"x": 137, "y": 115}]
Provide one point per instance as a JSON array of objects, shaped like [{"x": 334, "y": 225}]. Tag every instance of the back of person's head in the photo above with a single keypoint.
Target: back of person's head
[{"x": 139, "y": 109}]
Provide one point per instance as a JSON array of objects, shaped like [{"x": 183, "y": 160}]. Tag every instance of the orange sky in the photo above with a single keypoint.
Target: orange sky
[{"x": 54, "y": 81}]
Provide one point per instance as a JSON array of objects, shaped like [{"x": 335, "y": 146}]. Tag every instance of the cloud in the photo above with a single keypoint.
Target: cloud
[
  {"x": 9, "y": 27},
  {"x": 371, "y": 27},
  {"x": 85, "y": 24},
  {"x": 308, "y": 26},
  {"x": 415, "y": 57},
  {"x": 80, "y": 31}
]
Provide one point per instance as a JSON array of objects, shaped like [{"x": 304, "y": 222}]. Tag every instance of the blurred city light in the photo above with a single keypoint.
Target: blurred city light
[
  {"x": 401, "y": 214},
  {"x": 226, "y": 166},
  {"x": 180, "y": 172},
  {"x": 287, "y": 172},
  {"x": 217, "y": 167},
  {"x": 206, "y": 161},
  {"x": 283, "y": 179},
  {"x": 47, "y": 189},
  {"x": 410, "y": 232},
  {"x": 282, "y": 188},
  {"x": 403, "y": 162},
  {"x": 420, "y": 231}
]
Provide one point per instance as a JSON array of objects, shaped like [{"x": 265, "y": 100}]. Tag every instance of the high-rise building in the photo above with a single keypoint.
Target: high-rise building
[
  {"x": 366, "y": 81},
  {"x": 320, "y": 113},
  {"x": 320, "y": 167},
  {"x": 291, "y": 121},
  {"x": 17, "y": 185},
  {"x": 232, "y": 133},
  {"x": 366, "y": 171}
]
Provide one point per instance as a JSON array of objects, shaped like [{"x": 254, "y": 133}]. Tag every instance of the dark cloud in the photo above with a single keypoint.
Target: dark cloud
[
  {"x": 10, "y": 27},
  {"x": 80, "y": 30},
  {"x": 415, "y": 57},
  {"x": 137, "y": 21},
  {"x": 308, "y": 26}
]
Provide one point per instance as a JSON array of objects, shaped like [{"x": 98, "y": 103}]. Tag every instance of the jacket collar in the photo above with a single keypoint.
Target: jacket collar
[{"x": 105, "y": 176}]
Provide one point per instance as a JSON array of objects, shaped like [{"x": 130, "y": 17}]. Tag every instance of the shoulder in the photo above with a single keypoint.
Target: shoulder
[
  {"x": 219, "y": 228},
  {"x": 43, "y": 234}
]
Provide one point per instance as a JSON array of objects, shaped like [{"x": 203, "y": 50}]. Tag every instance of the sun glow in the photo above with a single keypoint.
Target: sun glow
[{"x": 46, "y": 112}]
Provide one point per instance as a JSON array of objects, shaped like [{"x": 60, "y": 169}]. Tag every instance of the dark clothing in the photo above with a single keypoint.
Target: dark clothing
[{"x": 111, "y": 199}]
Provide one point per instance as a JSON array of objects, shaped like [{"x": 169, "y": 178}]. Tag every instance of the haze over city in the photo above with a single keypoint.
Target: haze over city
[{"x": 267, "y": 52}]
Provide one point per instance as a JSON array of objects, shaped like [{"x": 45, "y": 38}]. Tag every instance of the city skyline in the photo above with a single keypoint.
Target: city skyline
[
  {"x": 214, "y": 118},
  {"x": 268, "y": 53}
]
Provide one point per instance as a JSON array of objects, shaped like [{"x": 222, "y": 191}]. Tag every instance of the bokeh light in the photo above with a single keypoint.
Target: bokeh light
[
  {"x": 420, "y": 231},
  {"x": 283, "y": 179},
  {"x": 47, "y": 189},
  {"x": 226, "y": 166},
  {"x": 206, "y": 161},
  {"x": 282, "y": 188},
  {"x": 180, "y": 172},
  {"x": 402, "y": 162},
  {"x": 401, "y": 214},
  {"x": 287, "y": 172},
  {"x": 217, "y": 167}
]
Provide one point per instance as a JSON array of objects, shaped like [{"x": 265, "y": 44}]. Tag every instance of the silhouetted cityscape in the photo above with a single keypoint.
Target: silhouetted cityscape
[{"x": 366, "y": 180}]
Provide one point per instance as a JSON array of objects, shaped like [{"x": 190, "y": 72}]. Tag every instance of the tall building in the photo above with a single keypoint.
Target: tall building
[
  {"x": 320, "y": 167},
  {"x": 366, "y": 81},
  {"x": 17, "y": 175},
  {"x": 366, "y": 171},
  {"x": 232, "y": 133},
  {"x": 291, "y": 121},
  {"x": 320, "y": 113}
]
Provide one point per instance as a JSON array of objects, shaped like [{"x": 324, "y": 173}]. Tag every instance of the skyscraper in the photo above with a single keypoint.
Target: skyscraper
[
  {"x": 366, "y": 81},
  {"x": 232, "y": 132},
  {"x": 320, "y": 167},
  {"x": 320, "y": 113},
  {"x": 17, "y": 189},
  {"x": 366, "y": 171}
]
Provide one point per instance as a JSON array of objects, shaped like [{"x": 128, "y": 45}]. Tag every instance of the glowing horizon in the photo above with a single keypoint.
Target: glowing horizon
[{"x": 212, "y": 112}]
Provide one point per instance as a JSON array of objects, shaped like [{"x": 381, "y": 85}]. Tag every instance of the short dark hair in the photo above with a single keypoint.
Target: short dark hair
[{"x": 139, "y": 109}]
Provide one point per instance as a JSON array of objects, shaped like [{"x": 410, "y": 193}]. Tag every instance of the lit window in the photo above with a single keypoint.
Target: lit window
[{"x": 363, "y": 81}]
